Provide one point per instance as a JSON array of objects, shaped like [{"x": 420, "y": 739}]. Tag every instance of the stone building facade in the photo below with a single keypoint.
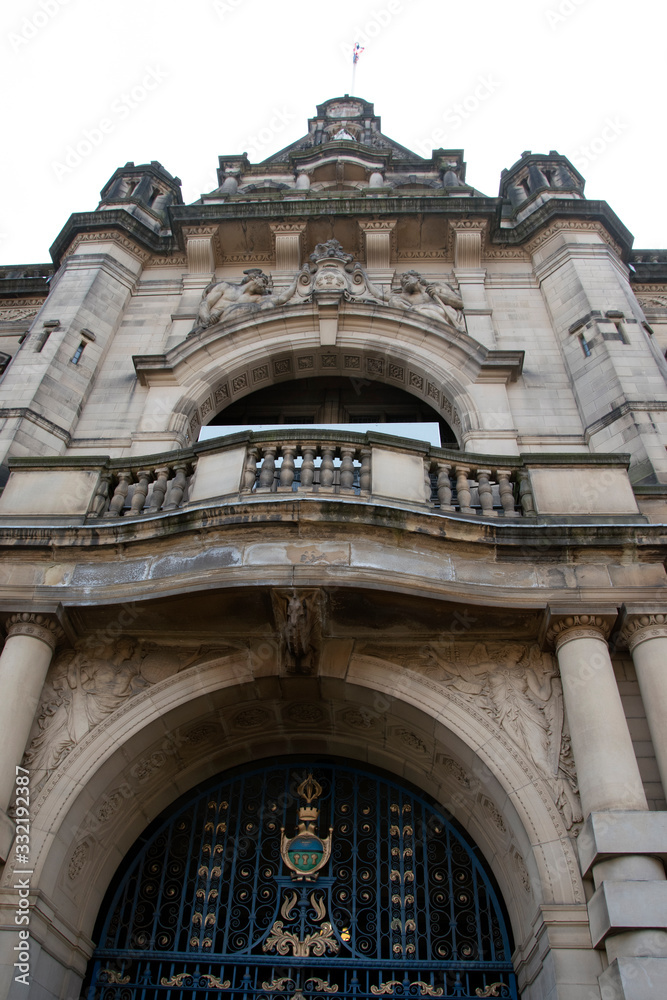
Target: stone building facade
[{"x": 481, "y": 624}]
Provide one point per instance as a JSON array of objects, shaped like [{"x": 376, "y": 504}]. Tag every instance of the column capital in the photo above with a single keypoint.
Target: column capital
[
  {"x": 38, "y": 626},
  {"x": 638, "y": 627},
  {"x": 562, "y": 626}
]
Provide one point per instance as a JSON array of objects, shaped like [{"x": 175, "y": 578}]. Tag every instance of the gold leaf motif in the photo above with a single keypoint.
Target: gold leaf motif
[
  {"x": 426, "y": 990},
  {"x": 317, "y": 944},
  {"x": 113, "y": 976}
]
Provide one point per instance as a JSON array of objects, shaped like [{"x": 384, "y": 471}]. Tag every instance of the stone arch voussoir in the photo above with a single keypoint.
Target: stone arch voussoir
[{"x": 227, "y": 366}]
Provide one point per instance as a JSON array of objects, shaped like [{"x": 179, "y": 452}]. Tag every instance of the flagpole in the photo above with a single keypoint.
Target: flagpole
[{"x": 356, "y": 52}]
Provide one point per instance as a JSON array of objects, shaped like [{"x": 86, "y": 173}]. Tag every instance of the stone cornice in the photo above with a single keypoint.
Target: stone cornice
[
  {"x": 522, "y": 536},
  {"x": 183, "y": 216},
  {"x": 568, "y": 210},
  {"x": 114, "y": 219}
]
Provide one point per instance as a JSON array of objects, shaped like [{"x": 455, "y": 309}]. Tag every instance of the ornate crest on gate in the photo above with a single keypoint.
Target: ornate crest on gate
[{"x": 306, "y": 853}]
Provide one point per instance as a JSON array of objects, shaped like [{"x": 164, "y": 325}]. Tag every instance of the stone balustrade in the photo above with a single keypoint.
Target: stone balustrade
[
  {"x": 371, "y": 468},
  {"x": 308, "y": 466},
  {"x": 142, "y": 488}
]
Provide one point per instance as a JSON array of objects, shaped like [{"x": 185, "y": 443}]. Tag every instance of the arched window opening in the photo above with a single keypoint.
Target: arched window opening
[
  {"x": 302, "y": 878},
  {"x": 331, "y": 401}
]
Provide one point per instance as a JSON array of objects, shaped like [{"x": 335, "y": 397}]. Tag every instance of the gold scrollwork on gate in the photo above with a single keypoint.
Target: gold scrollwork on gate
[{"x": 388, "y": 988}]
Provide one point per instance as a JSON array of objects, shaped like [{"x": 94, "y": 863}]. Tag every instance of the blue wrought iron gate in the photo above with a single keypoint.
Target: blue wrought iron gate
[{"x": 299, "y": 881}]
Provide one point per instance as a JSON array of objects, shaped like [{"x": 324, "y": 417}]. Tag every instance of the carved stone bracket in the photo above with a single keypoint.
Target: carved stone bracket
[
  {"x": 43, "y": 627},
  {"x": 298, "y": 615}
]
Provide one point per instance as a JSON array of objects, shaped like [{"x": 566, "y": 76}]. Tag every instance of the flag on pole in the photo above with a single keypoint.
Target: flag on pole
[{"x": 356, "y": 52}]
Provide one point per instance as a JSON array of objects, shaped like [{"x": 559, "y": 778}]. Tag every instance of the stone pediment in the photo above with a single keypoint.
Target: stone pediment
[{"x": 346, "y": 121}]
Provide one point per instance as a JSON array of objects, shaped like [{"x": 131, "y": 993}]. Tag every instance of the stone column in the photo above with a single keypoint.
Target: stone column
[
  {"x": 626, "y": 911},
  {"x": 26, "y": 656},
  {"x": 646, "y": 638},
  {"x": 607, "y": 768}
]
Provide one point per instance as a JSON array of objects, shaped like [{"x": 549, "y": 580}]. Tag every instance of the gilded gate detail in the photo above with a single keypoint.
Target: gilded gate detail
[{"x": 223, "y": 899}]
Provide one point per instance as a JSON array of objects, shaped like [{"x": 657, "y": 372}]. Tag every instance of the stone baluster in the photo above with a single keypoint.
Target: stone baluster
[
  {"x": 26, "y": 656},
  {"x": 646, "y": 637},
  {"x": 428, "y": 487},
  {"x": 307, "y": 467},
  {"x": 120, "y": 493},
  {"x": 485, "y": 493},
  {"x": 327, "y": 468},
  {"x": 444, "y": 487},
  {"x": 99, "y": 502},
  {"x": 286, "y": 478},
  {"x": 159, "y": 489},
  {"x": 365, "y": 471},
  {"x": 609, "y": 780},
  {"x": 463, "y": 489},
  {"x": 526, "y": 495},
  {"x": 347, "y": 468},
  {"x": 506, "y": 493},
  {"x": 140, "y": 491},
  {"x": 177, "y": 488},
  {"x": 249, "y": 470},
  {"x": 267, "y": 472}
]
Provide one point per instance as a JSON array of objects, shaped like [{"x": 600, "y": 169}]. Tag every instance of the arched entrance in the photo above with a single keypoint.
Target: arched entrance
[
  {"x": 302, "y": 878},
  {"x": 332, "y": 399}
]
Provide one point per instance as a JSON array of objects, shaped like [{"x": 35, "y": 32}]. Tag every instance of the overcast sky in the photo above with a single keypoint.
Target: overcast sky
[{"x": 89, "y": 85}]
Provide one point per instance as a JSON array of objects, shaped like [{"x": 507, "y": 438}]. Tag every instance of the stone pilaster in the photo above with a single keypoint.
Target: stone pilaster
[
  {"x": 646, "y": 637},
  {"x": 288, "y": 240},
  {"x": 378, "y": 236},
  {"x": 26, "y": 656},
  {"x": 471, "y": 277}
]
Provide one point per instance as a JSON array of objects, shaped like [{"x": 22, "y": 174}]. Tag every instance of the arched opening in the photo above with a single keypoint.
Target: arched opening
[
  {"x": 301, "y": 878},
  {"x": 333, "y": 400}
]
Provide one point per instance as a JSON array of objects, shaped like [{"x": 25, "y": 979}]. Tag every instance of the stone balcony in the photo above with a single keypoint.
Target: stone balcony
[{"x": 338, "y": 466}]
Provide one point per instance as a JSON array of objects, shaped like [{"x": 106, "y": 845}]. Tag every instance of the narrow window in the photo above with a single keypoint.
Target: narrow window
[
  {"x": 77, "y": 354},
  {"x": 584, "y": 345},
  {"x": 620, "y": 330},
  {"x": 155, "y": 194},
  {"x": 49, "y": 326}
]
